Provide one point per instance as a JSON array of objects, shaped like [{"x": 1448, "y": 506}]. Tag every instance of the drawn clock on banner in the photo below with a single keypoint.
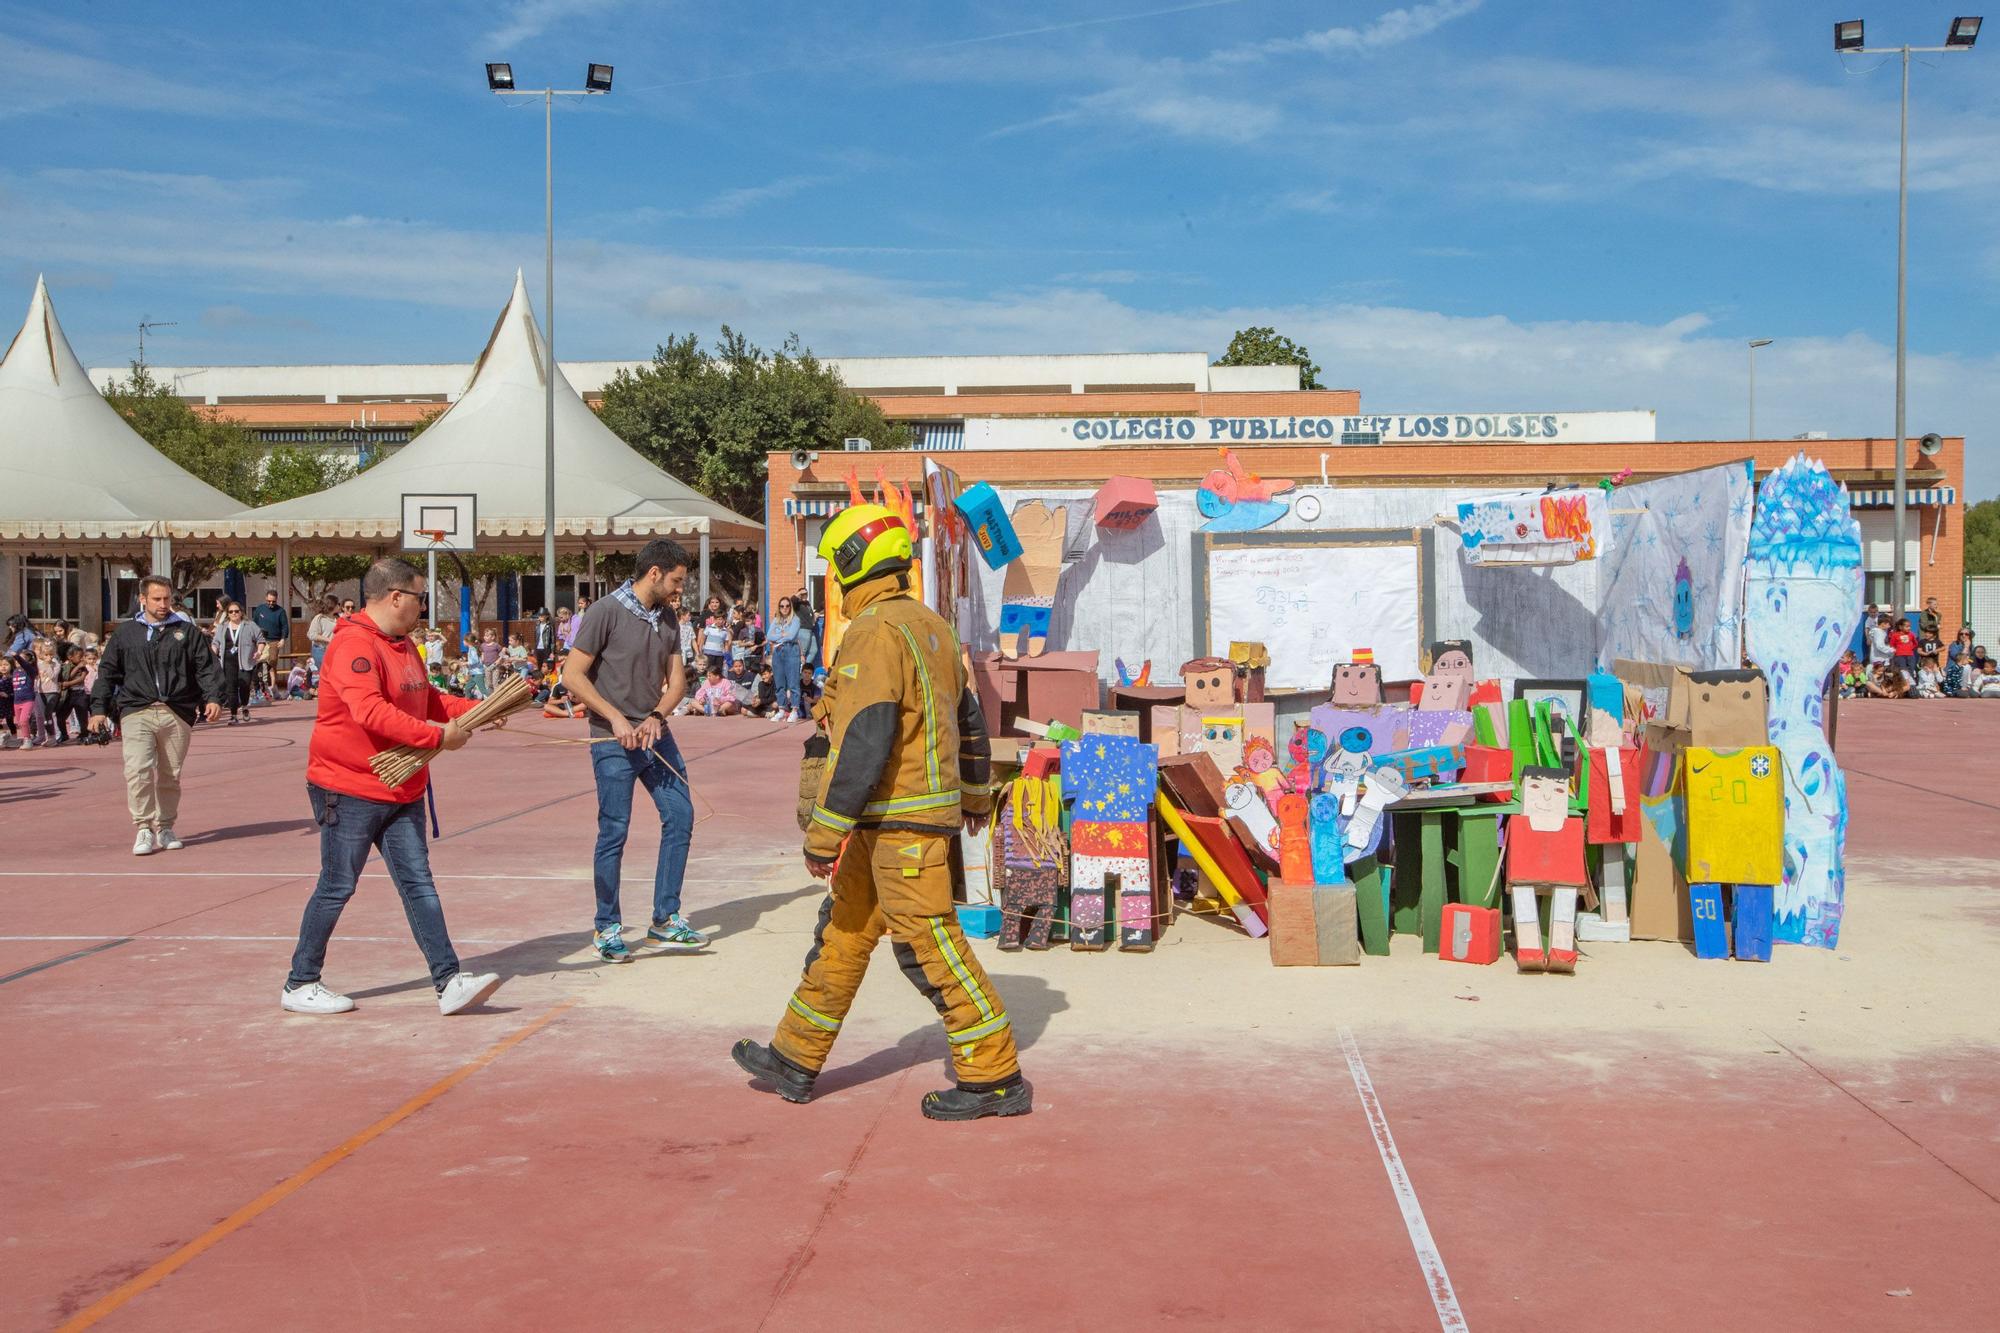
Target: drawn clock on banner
[{"x": 1307, "y": 507}]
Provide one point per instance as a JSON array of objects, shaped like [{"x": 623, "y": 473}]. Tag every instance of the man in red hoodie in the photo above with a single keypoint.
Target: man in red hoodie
[{"x": 373, "y": 696}]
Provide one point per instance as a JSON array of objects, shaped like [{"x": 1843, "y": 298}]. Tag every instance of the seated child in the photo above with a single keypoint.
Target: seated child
[
  {"x": 296, "y": 682},
  {"x": 715, "y": 698}
]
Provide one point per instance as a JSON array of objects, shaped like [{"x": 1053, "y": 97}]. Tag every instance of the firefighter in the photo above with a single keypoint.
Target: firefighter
[{"x": 909, "y": 763}]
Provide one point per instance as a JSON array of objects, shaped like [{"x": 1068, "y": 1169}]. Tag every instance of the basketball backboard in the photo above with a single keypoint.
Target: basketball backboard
[{"x": 440, "y": 522}]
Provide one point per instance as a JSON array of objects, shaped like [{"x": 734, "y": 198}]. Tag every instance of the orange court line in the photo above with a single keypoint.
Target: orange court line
[{"x": 160, "y": 1271}]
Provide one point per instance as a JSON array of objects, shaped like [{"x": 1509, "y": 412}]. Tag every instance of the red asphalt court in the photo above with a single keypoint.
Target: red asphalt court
[{"x": 581, "y": 1152}]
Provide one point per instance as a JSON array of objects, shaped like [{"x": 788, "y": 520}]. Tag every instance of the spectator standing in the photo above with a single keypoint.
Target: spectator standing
[
  {"x": 20, "y": 676},
  {"x": 545, "y": 639},
  {"x": 347, "y": 608},
  {"x": 626, "y": 670},
  {"x": 74, "y": 699},
  {"x": 275, "y": 624},
  {"x": 489, "y": 647},
  {"x": 1903, "y": 651},
  {"x": 1864, "y": 632},
  {"x": 687, "y": 637},
  {"x": 1930, "y": 623},
  {"x": 373, "y": 697},
  {"x": 565, "y": 628},
  {"x": 326, "y": 619},
  {"x": 786, "y": 663},
  {"x": 48, "y": 692},
  {"x": 236, "y": 642},
  {"x": 157, "y": 670},
  {"x": 1878, "y": 641},
  {"x": 715, "y": 642}
]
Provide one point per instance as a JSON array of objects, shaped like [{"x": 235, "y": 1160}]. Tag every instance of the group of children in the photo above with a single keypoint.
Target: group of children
[
  {"x": 734, "y": 662},
  {"x": 48, "y": 680}
]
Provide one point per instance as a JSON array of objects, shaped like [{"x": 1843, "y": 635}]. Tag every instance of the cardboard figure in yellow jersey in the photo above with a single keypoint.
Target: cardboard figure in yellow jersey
[{"x": 909, "y": 764}]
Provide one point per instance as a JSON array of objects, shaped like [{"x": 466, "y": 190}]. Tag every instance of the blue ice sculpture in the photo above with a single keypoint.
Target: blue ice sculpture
[{"x": 1804, "y": 599}]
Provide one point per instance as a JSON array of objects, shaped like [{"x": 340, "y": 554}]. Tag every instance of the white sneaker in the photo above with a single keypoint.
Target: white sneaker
[
  {"x": 143, "y": 845},
  {"x": 314, "y": 999},
  {"x": 465, "y": 990},
  {"x": 166, "y": 841}
]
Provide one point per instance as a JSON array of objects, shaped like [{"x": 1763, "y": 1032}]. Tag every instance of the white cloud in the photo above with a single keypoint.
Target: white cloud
[
  {"x": 1390, "y": 29},
  {"x": 619, "y": 298},
  {"x": 37, "y": 79},
  {"x": 525, "y": 20}
]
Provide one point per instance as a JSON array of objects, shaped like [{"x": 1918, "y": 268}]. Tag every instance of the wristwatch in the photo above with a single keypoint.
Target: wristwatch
[{"x": 654, "y": 713}]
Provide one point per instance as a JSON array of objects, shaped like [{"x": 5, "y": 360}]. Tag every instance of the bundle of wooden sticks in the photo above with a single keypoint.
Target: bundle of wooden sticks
[{"x": 397, "y": 766}]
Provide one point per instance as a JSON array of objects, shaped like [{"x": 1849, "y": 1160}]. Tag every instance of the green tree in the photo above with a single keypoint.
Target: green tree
[
  {"x": 1264, "y": 346},
  {"x": 288, "y": 472},
  {"x": 710, "y": 416},
  {"x": 1982, "y": 537},
  {"x": 221, "y": 453}
]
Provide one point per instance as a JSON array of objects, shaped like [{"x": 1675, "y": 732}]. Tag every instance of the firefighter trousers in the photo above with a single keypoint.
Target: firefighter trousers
[{"x": 897, "y": 883}]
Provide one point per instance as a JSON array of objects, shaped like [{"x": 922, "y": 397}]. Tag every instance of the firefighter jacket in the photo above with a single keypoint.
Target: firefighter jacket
[{"x": 909, "y": 743}]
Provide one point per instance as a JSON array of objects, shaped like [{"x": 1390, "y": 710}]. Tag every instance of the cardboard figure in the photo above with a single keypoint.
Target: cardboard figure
[
  {"x": 1388, "y": 725},
  {"x": 1295, "y": 860},
  {"x": 1448, "y": 685},
  {"x": 1028, "y": 593},
  {"x": 1545, "y": 855},
  {"x": 1329, "y": 861},
  {"x": 1222, "y": 738},
  {"x": 1213, "y": 719},
  {"x": 1726, "y": 710},
  {"x": 1100, "y": 722},
  {"x": 1735, "y": 815},
  {"x": 1110, "y": 781},
  {"x": 1210, "y": 683},
  {"x": 1307, "y": 751},
  {"x": 1234, "y": 500},
  {"x": 1029, "y": 866},
  {"x": 1357, "y": 684},
  {"x": 1260, "y": 767},
  {"x": 1348, "y": 764},
  {"x": 1384, "y": 788},
  {"x": 1252, "y": 818}
]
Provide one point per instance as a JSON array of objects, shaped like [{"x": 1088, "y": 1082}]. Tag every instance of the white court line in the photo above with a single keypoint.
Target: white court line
[
  {"x": 236, "y": 939},
  {"x": 1443, "y": 1299},
  {"x": 314, "y": 874}
]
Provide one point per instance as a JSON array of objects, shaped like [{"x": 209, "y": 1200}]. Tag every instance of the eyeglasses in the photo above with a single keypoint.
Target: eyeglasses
[{"x": 406, "y": 592}]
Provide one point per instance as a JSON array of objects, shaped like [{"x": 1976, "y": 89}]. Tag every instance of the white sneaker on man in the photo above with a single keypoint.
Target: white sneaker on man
[
  {"x": 166, "y": 841},
  {"x": 143, "y": 845},
  {"x": 314, "y": 998},
  {"x": 465, "y": 990}
]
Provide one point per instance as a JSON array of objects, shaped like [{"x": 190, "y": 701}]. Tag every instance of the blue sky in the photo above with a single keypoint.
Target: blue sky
[{"x": 1454, "y": 204}]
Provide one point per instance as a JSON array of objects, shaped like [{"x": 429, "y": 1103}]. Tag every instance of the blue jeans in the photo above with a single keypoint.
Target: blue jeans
[
  {"x": 616, "y": 769},
  {"x": 348, "y": 827},
  {"x": 785, "y": 667}
]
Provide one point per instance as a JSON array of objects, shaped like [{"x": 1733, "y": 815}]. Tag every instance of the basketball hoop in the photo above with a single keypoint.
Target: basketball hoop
[{"x": 435, "y": 536}]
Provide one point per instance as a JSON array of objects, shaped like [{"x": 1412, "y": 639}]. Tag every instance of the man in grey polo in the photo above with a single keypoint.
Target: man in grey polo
[{"x": 625, "y": 667}]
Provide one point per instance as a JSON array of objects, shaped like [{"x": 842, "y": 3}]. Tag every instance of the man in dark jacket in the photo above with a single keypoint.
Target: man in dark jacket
[{"x": 157, "y": 671}]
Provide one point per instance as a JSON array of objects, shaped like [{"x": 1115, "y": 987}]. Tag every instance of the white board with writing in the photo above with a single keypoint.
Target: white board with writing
[{"x": 1313, "y": 606}]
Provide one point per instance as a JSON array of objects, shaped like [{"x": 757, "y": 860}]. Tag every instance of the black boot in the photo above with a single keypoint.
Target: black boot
[
  {"x": 761, "y": 1062},
  {"x": 1014, "y": 1096}
]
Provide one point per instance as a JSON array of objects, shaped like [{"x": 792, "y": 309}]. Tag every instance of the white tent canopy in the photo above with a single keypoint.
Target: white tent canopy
[
  {"x": 491, "y": 443},
  {"x": 71, "y": 468}
]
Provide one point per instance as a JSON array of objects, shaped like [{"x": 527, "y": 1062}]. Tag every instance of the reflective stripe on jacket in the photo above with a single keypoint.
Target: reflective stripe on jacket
[{"x": 909, "y": 747}]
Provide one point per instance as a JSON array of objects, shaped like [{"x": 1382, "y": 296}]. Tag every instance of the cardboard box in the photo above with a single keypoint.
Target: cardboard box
[
  {"x": 1294, "y": 934},
  {"x": 1055, "y": 687},
  {"x": 1711, "y": 934},
  {"x": 992, "y": 531},
  {"x": 1124, "y": 502},
  {"x": 1469, "y": 934},
  {"x": 1195, "y": 783},
  {"x": 1613, "y": 814},
  {"x": 1735, "y": 814}
]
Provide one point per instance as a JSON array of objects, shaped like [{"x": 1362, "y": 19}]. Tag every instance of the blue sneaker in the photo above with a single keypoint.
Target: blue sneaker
[
  {"x": 610, "y": 945},
  {"x": 675, "y": 934}
]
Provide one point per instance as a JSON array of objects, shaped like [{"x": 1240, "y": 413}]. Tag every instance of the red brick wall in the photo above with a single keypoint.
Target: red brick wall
[{"x": 1469, "y": 464}]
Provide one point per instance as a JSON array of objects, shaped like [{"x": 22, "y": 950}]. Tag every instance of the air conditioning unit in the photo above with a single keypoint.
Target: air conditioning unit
[
  {"x": 1810, "y": 435},
  {"x": 854, "y": 444}
]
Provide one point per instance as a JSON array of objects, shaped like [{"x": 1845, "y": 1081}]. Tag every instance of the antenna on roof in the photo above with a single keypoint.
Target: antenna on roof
[{"x": 146, "y": 322}]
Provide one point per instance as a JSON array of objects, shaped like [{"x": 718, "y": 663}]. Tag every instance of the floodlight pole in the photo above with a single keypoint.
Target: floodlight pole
[
  {"x": 1897, "y": 590},
  {"x": 549, "y": 96}
]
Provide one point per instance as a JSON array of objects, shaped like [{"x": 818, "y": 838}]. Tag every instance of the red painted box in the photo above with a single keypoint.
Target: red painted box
[
  {"x": 1124, "y": 502},
  {"x": 1488, "y": 763},
  {"x": 1470, "y": 934}
]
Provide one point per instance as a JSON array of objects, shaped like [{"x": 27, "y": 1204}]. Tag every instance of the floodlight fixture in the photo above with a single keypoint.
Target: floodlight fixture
[
  {"x": 597, "y": 78},
  {"x": 500, "y": 78},
  {"x": 1964, "y": 31},
  {"x": 1847, "y": 35}
]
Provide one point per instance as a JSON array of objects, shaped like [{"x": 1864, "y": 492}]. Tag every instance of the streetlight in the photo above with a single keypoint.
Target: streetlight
[
  {"x": 500, "y": 80},
  {"x": 1755, "y": 343},
  {"x": 1848, "y": 36}
]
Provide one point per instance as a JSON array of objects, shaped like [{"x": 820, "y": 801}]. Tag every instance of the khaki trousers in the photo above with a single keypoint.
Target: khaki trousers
[
  {"x": 899, "y": 884},
  {"x": 156, "y": 745}
]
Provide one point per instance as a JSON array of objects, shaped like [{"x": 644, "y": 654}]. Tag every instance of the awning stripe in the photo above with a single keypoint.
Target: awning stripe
[{"x": 1885, "y": 497}]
